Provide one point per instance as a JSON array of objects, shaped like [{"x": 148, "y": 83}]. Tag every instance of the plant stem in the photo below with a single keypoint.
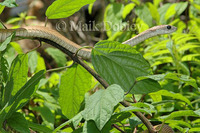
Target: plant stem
[{"x": 115, "y": 126}]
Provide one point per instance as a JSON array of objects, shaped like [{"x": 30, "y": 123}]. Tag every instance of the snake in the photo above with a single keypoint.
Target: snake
[
  {"x": 162, "y": 129},
  {"x": 57, "y": 40}
]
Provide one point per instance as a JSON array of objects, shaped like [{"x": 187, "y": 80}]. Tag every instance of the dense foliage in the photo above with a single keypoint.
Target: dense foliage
[{"x": 161, "y": 75}]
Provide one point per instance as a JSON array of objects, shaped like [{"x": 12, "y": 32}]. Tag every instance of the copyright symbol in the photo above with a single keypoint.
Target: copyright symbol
[{"x": 61, "y": 26}]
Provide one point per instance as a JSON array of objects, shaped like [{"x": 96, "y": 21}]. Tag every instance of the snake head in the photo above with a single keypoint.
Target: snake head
[{"x": 163, "y": 29}]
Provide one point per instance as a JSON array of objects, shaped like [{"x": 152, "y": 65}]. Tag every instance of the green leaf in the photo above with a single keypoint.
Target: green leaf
[
  {"x": 174, "y": 76},
  {"x": 21, "y": 97},
  {"x": 175, "y": 8},
  {"x": 9, "y": 3},
  {"x": 113, "y": 19},
  {"x": 38, "y": 127},
  {"x": 178, "y": 122},
  {"x": 145, "y": 86},
  {"x": 144, "y": 14},
  {"x": 75, "y": 82},
  {"x": 46, "y": 96},
  {"x": 162, "y": 11},
  {"x": 17, "y": 47},
  {"x": 180, "y": 7},
  {"x": 41, "y": 64},
  {"x": 1, "y": 8},
  {"x": 13, "y": 20},
  {"x": 182, "y": 113},
  {"x": 170, "y": 12},
  {"x": 3, "y": 46},
  {"x": 32, "y": 61},
  {"x": 156, "y": 3},
  {"x": 127, "y": 9},
  {"x": 195, "y": 129},
  {"x": 57, "y": 55},
  {"x": 90, "y": 8},
  {"x": 3, "y": 68},
  {"x": 18, "y": 123},
  {"x": 154, "y": 12},
  {"x": 54, "y": 79},
  {"x": 90, "y": 127},
  {"x": 123, "y": 65},
  {"x": 136, "y": 109},
  {"x": 120, "y": 116},
  {"x": 99, "y": 107},
  {"x": 46, "y": 114},
  {"x": 136, "y": 2},
  {"x": 65, "y": 8},
  {"x": 173, "y": 95},
  {"x": 76, "y": 119},
  {"x": 17, "y": 76}
]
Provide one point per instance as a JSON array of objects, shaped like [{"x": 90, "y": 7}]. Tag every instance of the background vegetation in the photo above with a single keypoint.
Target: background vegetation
[{"x": 160, "y": 74}]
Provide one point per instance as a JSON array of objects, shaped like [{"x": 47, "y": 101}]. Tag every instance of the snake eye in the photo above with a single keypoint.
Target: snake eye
[{"x": 169, "y": 27}]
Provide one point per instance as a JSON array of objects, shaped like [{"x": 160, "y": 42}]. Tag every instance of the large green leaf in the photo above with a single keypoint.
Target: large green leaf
[
  {"x": 75, "y": 82},
  {"x": 121, "y": 64},
  {"x": 99, "y": 106},
  {"x": 18, "y": 122},
  {"x": 65, "y": 8},
  {"x": 17, "y": 76},
  {"x": 21, "y": 97}
]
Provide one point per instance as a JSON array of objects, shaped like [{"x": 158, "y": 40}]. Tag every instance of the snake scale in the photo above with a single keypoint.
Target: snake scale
[{"x": 56, "y": 39}]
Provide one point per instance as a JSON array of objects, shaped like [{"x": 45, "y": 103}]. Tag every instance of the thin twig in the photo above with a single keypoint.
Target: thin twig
[{"x": 117, "y": 127}]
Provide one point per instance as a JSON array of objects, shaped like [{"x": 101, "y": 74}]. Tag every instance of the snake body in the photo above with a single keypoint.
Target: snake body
[
  {"x": 49, "y": 35},
  {"x": 164, "y": 129}
]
